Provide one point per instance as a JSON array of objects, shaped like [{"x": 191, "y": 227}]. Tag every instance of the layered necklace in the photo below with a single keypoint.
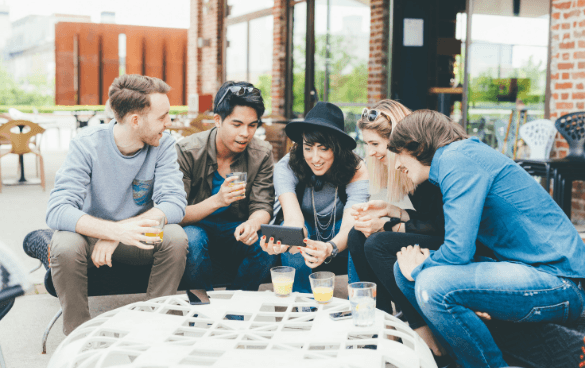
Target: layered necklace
[{"x": 325, "y": 221}]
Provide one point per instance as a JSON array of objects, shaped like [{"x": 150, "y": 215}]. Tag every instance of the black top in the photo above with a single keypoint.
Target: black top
[{"x": 427, "y": 217}]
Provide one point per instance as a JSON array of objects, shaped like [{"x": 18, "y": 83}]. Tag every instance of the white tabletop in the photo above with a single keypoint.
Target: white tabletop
[{"x": 275, "y": 332}]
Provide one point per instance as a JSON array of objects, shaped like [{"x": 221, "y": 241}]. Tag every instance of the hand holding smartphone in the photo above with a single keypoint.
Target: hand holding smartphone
[{"x": 287, "y": 235}]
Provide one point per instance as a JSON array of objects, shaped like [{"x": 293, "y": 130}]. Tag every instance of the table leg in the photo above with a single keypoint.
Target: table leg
[
  {"x": 567, "y": 196},
  {"x": 21, "y": 160}
]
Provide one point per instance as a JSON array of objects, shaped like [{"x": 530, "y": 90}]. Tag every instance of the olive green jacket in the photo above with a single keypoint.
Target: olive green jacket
[{"x": 197, "y": 157}]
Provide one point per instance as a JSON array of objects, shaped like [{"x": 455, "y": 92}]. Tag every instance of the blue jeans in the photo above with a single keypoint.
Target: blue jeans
[
  {"x": 448, "y": 296},
  {"x": 302, "y": 271},
  {"x": 212, "y": 244}
]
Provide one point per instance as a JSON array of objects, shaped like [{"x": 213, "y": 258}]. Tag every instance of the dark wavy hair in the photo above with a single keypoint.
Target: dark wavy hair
[
  {"x": 251, "y": 99},
  {"x": 345, "y": 162}
]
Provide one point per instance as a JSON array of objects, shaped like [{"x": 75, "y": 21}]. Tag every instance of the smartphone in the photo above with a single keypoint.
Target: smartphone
[
  {"x": 198, "y": 296},
  {"x": 288, "y": 235},
  {"x": 340, "y": 315}
]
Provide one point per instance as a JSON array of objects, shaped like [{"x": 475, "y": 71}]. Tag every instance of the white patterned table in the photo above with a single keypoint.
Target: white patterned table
[{"x": 274, "y": 332}]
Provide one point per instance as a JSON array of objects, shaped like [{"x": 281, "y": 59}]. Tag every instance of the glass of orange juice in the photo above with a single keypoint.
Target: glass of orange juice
[
  {"x": 322, "y": 284},
  {"x": 283, "y": 278},
  {"x": 242, "y": 178},
  {"x": 158, "y": 238}
]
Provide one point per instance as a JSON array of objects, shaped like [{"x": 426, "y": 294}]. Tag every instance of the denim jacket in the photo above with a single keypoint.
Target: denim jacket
[
  {"x": 197, "y": 157},
  {"x": 488, "y": 197}
]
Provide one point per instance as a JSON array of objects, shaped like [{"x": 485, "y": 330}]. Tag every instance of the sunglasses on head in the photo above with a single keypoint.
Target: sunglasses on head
[
  {"x": 373, "y": 114},
  {"x": 236, "y": 90}
]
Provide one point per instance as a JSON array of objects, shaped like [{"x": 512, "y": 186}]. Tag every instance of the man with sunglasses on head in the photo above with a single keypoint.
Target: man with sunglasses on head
[{"x": 222, "y": 217}]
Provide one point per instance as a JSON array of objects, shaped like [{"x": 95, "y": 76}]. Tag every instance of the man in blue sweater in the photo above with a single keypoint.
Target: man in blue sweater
[
  {"x": 539, "y": 258},
  {"x": 117, "y": 182}
]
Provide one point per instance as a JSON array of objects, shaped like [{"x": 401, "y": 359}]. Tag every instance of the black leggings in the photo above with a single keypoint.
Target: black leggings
[{"x": 374, "y": 259}]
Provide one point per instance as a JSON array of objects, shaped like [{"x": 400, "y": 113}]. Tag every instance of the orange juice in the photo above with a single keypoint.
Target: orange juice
[
  {"x": 234, "y": 183},
  {"x": 160, "y": 235},
  {"x": 283, "y": 287},
  {"x": 322, "y": 294}
]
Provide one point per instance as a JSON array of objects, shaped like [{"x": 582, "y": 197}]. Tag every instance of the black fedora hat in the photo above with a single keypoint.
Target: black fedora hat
[{"x": 324, "y": 115}]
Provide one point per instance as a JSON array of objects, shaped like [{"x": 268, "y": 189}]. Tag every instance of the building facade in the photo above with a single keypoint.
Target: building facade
[{"x": 479, "y": 61}]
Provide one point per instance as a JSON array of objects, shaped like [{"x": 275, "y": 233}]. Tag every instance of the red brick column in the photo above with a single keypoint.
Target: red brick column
[
  {"x": 568, "y": 78},
  {"x": 279, "y": 57},
  {"x": 378, "y": 61},
  {"x": 205, "y": 63},
  {"x": 211, "y": 30},
  {"x": 193, "y": 82}
]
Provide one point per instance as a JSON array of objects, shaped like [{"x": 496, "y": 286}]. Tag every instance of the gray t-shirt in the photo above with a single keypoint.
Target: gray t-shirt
[{"x": 285, "y": 181}]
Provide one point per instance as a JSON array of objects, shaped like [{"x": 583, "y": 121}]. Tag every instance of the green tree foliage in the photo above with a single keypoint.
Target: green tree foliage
[
  {"x": 530, "y": 77},
  {"x": 12, "y": 94},
  {"x": 348, "y": 75},
  {"x": 265, "y": 86}
]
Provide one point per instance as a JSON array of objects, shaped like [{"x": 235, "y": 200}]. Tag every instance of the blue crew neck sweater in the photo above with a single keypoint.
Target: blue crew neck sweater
[{"x": 98, "y": 180}]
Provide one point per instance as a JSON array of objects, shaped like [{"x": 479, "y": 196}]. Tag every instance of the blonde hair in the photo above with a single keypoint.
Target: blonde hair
[{"x": 384, "y": 175}]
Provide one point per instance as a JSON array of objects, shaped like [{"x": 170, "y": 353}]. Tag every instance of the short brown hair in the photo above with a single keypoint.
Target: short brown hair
[
  {"x": 129, "y": 94},
  {"x": 422, "y": 133}
]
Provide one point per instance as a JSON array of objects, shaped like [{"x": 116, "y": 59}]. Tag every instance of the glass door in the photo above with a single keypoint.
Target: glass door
[
  {"x": 508, "y": 57},
  {"x": 336, "y": 33}
]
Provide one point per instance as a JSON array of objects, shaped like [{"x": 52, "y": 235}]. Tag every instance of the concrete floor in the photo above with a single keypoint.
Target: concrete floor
[{"x": 22, "y": 209}]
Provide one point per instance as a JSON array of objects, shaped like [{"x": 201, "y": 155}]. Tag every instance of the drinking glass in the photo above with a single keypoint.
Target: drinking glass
[
  {"x": 362, "y": 298},
  {"x": 157, "y": 238},
  {"x": 322, "y": 284},
  {"x": 282, "y": 280},
  {"x": 242, "y": 178}
]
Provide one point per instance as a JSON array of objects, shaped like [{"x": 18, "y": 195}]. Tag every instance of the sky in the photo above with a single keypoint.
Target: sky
[{"x": 155, "y": 13}]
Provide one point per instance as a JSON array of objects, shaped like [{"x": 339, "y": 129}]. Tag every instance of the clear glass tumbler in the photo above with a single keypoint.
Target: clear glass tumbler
[
  {"x": 322, "y": 284},
  {"x": 158, "y": 238},
  {"x": 282, "y": 280},
  {"x": 242, "y": 178},
  {"x": 362, "y": 298}
]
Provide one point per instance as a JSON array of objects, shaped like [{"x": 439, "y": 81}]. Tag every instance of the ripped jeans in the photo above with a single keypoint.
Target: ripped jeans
[{"x": 448, "y": 296}]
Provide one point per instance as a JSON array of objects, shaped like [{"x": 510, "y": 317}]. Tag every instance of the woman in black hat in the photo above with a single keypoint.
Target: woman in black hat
[{"x": 316, "y": 185}]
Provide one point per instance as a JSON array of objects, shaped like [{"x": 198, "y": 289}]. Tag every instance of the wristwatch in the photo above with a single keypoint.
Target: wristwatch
[{"x": 334, "y": 252}]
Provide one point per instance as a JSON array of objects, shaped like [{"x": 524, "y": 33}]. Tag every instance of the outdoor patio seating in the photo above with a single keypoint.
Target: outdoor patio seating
[
  {"x": 122, "y": 279},
  {"x": 202, "y": 122},
  {"x": 539, "y": 135},
  {"x": 21, "y": 145},
  {"x": 565, "y": 170}
]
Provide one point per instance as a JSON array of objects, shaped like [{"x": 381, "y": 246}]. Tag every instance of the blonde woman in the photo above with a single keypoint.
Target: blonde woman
[{"x": 381, "y": 229}]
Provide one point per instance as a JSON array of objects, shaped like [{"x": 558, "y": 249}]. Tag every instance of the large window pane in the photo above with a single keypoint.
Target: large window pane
[
  {"x": 299, "y": 55},
  {"x": 507, "y": 70},
  {"x": 260, "y": 57},
  {"x": 249, "y": 44},
  {"x": 342, "y": 49},
  {"x": 236, "y": 53},
  {"x": 241, "y": 7}
]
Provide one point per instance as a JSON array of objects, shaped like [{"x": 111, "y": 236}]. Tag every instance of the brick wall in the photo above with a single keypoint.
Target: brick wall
[
  {"x": 211, "y": 57},
  {"x": 193, "y": 85},
  {"x": 205, "y": 64},
  {"x": 378, "y": 60},
  {"x": 279, "y": 57},
  {"x": 567, "y": 79}
]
